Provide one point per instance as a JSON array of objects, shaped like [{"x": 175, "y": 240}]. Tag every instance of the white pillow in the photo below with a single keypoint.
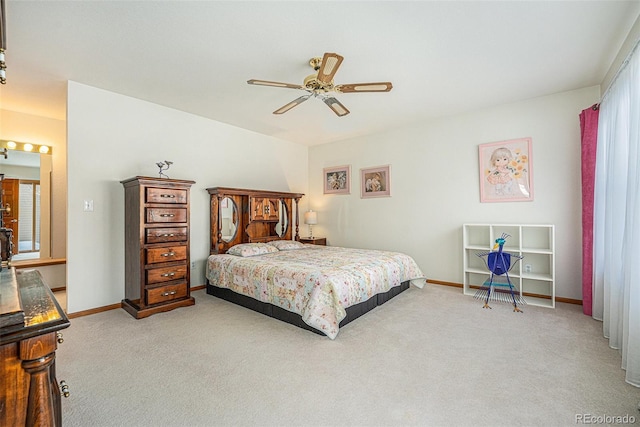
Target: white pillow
[
  {"x": 286, "y": 245},
  {"x": 251, "y": 249}
]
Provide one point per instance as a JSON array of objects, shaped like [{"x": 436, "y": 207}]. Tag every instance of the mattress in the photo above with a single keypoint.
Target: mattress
[{"x": 316, "y": 282}]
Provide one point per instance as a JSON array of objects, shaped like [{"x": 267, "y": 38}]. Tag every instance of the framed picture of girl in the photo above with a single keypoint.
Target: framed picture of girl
[
  {"x": 337, "y": 180},
  {"x": 506, "y": 173},
  {"x": 375, "y": 182}
]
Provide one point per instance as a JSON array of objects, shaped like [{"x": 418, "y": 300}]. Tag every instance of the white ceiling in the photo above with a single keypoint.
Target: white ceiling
[{"x": 443, "y": 57}]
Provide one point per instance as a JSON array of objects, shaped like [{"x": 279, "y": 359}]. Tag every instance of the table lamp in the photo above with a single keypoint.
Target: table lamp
[{"x": 311, "y": 218}]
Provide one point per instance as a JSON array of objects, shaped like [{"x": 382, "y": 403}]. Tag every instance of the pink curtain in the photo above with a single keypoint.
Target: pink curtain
[{"x": 589, "y": 138}]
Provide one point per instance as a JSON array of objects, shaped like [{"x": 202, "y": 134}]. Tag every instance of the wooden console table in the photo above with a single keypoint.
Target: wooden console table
[{"x": 30, "y": 321}]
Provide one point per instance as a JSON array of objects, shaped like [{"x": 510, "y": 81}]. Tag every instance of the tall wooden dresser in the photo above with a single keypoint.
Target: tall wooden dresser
[{"x": 157, "y": 266}]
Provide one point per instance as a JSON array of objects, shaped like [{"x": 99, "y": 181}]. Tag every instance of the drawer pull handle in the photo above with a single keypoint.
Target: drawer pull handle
[
  {"x": 166, "y": 294},
  {"x": 59, "y": 337},
  {"x": 168, "y": 196},
  {"x": 168, "y": 235},
  {"x": 168, "y": 254},
  {"x": 167, "y": 215},
  {"x": 169, "y": 274},
  {"x": 64, "y": 388}
]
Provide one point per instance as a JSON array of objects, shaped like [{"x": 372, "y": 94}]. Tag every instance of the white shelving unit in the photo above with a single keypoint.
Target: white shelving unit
[{"x": 534, "y": 275}]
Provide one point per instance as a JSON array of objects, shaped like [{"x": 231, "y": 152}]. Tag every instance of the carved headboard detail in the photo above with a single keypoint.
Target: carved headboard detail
[{"x": 244, "y": 216}]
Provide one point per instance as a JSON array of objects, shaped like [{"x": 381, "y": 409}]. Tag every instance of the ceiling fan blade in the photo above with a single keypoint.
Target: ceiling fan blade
[
  {"x": 330, "y": 64},
  {"x": 365, "y": 87},
  {"x": 292, "y": 104},
  {"x": 336, "y": 106},
  {"x": 274, "y": 84}
]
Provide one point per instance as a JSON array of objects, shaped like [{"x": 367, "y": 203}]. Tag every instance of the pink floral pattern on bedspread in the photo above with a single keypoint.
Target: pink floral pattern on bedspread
[{"x": 318, "y": 282}]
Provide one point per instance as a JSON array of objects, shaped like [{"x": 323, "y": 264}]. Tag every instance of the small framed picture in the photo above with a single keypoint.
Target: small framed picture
[
  {"x": 337, "y": 180},
  {"x": 506, "y": 173},
  {"x": 375, "y": 182}
]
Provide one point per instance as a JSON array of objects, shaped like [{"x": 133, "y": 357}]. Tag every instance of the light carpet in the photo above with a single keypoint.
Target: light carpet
[{"x": 430, "y": 356}]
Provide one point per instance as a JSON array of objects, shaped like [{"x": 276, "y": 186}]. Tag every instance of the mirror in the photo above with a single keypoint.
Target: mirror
[
  {"x": 29, "y": 173},
  {"x": 229, "y": 218},
  {"x": 282, "y": 225}
]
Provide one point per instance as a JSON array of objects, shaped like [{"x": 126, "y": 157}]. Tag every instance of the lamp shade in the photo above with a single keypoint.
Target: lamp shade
[{"x": 311, "y": 217}]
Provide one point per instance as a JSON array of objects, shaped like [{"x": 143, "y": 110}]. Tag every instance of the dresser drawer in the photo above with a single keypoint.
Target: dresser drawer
[
  {"x": 161, "y": 235},
  {"x": 166, "y": 195},
  {"x": 166, "y": 293},
  {"x": 166, "y": 274},
  {"x": 166, "y": 254},
  {"x": 160, "y": 215}
]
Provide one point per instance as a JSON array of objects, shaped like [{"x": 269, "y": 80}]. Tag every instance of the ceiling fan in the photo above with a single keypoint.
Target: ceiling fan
[{"x": 321, "y": 83}]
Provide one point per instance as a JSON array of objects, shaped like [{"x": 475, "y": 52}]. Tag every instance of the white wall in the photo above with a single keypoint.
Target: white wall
[
  {"x": 54, "y": 276},
  {"x": 628, "y": 44},
  {"x": 435, "y": 185},
  {"x": 20, "y": 172},
  {"x": 113, "y": 137}
]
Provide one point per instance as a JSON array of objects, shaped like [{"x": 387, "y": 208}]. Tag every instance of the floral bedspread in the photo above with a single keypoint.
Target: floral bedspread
[{"x": 317, "y": 282}]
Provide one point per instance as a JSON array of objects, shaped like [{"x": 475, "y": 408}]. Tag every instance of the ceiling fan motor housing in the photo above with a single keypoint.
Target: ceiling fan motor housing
[{"x": 312, "y": 83}]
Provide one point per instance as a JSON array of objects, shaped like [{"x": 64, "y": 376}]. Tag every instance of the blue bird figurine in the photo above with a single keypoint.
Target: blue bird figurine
[{"x": 499, "y": 263}]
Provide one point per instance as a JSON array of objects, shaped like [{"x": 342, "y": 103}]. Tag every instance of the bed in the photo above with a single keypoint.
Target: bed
[{"x": 263, "y": 267}]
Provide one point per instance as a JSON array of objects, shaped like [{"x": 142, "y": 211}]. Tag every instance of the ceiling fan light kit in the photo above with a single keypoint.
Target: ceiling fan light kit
[{"x": 321, "y": 83}]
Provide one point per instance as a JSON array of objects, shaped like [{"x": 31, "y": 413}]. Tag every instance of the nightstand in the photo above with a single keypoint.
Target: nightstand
[{"x": 322, "y": 241}]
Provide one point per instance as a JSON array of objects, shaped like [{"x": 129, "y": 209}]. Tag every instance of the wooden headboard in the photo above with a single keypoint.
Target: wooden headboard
[{"x": 244, "y": 216}]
